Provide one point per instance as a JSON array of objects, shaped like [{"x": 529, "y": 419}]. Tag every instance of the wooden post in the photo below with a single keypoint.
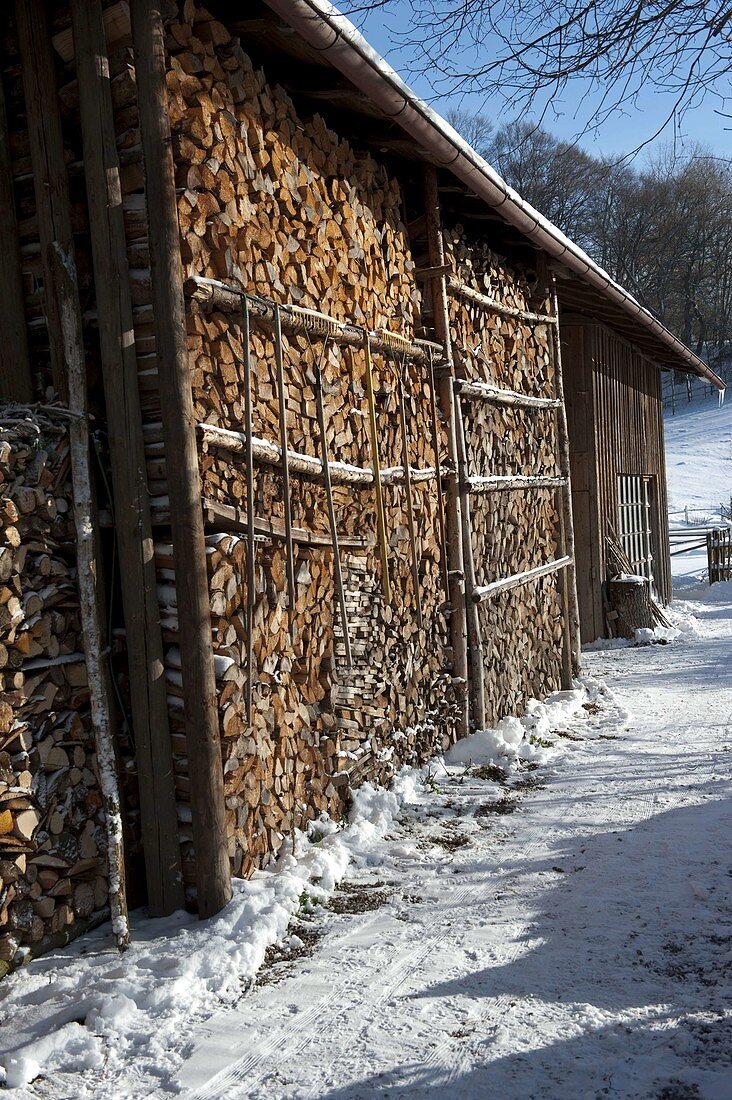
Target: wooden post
[
  {"x": 47, "y": 157},
  {"x": 213, "y": 871},
  {"x": 66, "y": 293},
  {"x": 249, "y": 469},
  {"x": 472, "y": 616},
  {"x": 374, "y": 433},
  {"x": 337, "y": 568},
  {"x": 571, "y": 605},
  {"x": 127, "y": 453},
  {"x": 16, "y": 380},
  {"x": 282, "y": 414},
  {"x": 408, "y": 496},
  {"x": 453, "y": 525},
  {"x": 438, "y": 480}
]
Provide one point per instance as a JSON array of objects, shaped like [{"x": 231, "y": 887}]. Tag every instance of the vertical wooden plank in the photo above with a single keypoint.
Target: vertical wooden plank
[
  {"x": 454, "y": 521},
  {"x": 47, "y": 157},
  {"x": 578, "y": 372},
  {"x": 213, "y": 871},
  {"x": 572, "y": 663},
  {"x": 16, "y": 380},
  {"x": 127, "y": 454},
  {"x": 663, "y": 547}
]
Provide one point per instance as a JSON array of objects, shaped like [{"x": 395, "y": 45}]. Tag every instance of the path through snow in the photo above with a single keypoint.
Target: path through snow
[{"x": 579, "y": 946}]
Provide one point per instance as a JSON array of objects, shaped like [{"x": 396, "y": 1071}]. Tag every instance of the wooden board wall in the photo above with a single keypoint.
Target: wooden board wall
[{"x": 615, "y": 417}]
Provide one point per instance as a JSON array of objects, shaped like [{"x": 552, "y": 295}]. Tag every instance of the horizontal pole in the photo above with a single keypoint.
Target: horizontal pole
[
  {"x": 342, "y": 473},
  {"x": 513, "y": 481},
  {"x": 459, "y": 290},
  {"x": 688, "y": 549},
  {"x": 484, "y": 391},
  {"x": 487, "y": 590},
  {"x": 228, "y": 299}
]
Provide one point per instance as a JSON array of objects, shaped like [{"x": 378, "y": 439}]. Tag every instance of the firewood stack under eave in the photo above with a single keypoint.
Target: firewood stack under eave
[
  {"x": 279, "y": 205},
  {"x": 512, "y": 531},
  {"x": 52, "y": 866},
  {"x": 281, "y": 768}
]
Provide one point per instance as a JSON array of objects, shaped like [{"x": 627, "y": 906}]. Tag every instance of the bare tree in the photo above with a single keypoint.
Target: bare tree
[
  {"x": 529, "y": 51},
  {"x": 663, "y": 228}
]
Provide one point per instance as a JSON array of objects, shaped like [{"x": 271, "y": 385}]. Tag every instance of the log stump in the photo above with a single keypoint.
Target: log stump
[{"x": 630, "y": 599}]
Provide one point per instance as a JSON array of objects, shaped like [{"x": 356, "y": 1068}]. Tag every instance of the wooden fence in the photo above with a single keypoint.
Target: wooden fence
[{"x": 719, "y": 554}]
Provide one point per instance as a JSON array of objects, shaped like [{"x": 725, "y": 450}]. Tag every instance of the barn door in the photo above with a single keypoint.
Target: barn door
[{"x": 635, "y": 525}]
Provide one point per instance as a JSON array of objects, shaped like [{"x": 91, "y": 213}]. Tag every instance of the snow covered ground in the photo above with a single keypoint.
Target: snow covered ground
[{"x": 565, "y": 932}]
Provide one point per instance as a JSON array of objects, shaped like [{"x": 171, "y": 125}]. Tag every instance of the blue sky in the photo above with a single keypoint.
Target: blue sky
[{"x": 618, "y": 135}]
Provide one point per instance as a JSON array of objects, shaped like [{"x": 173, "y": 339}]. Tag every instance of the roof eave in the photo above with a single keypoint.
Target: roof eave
[{"x": 322, "y": 25}]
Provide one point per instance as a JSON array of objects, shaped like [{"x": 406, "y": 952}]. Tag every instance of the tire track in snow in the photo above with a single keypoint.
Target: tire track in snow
[
  {"x": 294, "y": 1037},
  {"x": 443, "y": 1056}
]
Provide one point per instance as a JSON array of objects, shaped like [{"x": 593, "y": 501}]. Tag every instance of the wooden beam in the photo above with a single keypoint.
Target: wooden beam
[
  {"x": 214, "y": 295},
  {"x": 16, "y": 380},
  {"x": 341, "y": 473},
  {"x": 498, "y": 483},
  {"x": 489, "y": 304},
  {"x": 153, "y": 749},
  {"x": 484, "y": 391},
  {"x": 453, "y": 504},
  {"x": 213, "y": 870},
  {"x": 50, "y": 179},
  {"x": 505, "y": 584}
]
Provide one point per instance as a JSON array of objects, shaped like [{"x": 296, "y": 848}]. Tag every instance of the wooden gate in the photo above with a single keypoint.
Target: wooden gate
[{"x": 719, "y": 554}]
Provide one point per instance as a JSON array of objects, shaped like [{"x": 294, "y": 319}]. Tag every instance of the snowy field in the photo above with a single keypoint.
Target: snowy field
[
  {"x": 699, "y": 468},
  {"x": 544, "y": 914}
]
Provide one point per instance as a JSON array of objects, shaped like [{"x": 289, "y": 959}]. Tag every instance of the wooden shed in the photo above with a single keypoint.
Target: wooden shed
[
  {"x": 615, "y": 417},
  {"x": 320, "y": 341}
]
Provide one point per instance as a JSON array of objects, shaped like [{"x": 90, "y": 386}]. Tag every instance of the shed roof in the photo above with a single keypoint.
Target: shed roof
[{"x": 328, "y": 40}]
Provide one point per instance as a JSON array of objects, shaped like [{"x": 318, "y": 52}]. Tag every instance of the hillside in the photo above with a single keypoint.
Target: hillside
[
  {"x": 699, "y": 467},
  {"x": 699, "y": 457}
]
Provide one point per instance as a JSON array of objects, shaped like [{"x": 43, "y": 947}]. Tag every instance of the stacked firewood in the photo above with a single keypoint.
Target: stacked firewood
[
  {"x": 52, "y": 865},
  {"x": 279, "y": 205},
  {"x": 278, "y": 770},
  {"x": 512, "y": 531}
]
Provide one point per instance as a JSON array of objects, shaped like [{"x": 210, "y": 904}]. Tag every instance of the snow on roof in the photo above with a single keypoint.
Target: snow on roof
[{"x": 323, "y": 26}]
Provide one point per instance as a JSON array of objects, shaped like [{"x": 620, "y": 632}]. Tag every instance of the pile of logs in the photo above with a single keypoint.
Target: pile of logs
[
  {"x": 513, "y": 530},
  {"x": 274, "y": 203},
  {"x": 277, "y": 771},
  {"x": 265, "y": 195},
  {"x": 52, "y": 858}
]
